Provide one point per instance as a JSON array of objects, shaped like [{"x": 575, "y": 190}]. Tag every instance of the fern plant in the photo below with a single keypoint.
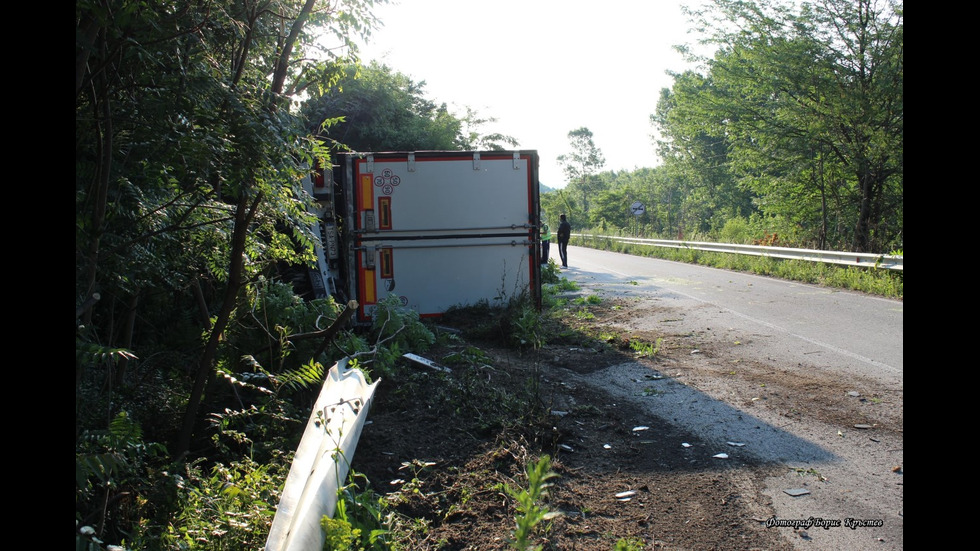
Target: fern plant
[{"x": 110, "y": 466}]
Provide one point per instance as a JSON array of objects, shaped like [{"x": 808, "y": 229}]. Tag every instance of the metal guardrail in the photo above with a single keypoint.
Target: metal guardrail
[
  {"x": 865, "y": 260},
  {"x": 322, "y": 460}
]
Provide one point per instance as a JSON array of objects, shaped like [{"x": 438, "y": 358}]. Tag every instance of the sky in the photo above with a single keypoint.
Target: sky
[{"x": 542, "y": 68}]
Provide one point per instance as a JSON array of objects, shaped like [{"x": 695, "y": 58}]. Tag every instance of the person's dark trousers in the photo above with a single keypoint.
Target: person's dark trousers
[
  {"x": 545, "y": 245},
  {"x": 563, "y": 253}
]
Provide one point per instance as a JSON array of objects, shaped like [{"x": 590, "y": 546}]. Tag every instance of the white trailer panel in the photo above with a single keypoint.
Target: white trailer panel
[{"x": 441, "y": 229}]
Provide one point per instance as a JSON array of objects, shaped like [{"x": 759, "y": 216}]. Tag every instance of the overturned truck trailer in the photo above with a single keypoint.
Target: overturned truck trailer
[{"x": 435, "y": 229}]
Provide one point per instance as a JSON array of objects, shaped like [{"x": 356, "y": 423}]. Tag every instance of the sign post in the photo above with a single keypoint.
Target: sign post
[{"x": 637, "y": 209}]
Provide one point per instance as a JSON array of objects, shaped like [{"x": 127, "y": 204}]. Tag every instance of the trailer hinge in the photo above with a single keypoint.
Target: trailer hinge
[
  {"x": 370, "y": 164},
  {"x": 517, "y": 160},
  {"x": 411, "y": 162},
  {"x": 476, "y": 161}
]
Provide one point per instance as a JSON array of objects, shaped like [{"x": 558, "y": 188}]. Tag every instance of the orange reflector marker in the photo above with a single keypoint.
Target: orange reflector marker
[
  {"x": 367, "y": 192},
  {"x": 384, "y": 213},
  {"x": 369, "y": 287},
  {"x": 387, "y": 263}
]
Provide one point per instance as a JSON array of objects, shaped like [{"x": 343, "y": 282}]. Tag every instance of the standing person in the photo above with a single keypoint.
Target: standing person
[
  {"x": 564, "y": 233},
  {"x": 545, "y": 242}
]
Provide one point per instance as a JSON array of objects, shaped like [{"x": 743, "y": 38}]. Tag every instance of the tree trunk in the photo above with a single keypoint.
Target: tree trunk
[
  {"x": 862, "y": 229},
  {"x": 127, "y": 343},
  {"x": 282, "y": 63},
  {"x": 822, "y": 183},
  {"x": 99, "y": 193},
  {"x": 244, "y": 214}
]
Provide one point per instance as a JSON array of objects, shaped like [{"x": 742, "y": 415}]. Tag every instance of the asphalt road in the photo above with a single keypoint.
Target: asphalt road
[
  {"x": 788, "y": 322},
  {"x": 851, "y": 341}
]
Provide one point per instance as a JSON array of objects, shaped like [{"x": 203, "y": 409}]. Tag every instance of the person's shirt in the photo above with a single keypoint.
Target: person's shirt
[
  {"x": 546, "y": 232},
  {"x": 564, "y": 230}
]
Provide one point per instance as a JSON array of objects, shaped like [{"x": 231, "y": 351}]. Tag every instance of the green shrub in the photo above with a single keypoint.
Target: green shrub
[{"x": 225, "y": 507}]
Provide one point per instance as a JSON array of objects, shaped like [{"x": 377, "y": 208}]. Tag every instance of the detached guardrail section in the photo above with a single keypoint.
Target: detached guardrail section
[
  {"x": 322, "y": 460},
  {"x": 866, "y": 260}
]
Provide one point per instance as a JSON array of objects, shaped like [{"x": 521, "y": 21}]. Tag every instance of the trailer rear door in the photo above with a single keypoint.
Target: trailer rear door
[{"x": 442, "y": 229}]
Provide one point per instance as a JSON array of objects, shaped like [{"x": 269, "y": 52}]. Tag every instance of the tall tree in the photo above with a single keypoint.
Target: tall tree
[
  {"x": 810, "y": 100},
  {"x": 581, "y": 164},
  {"x": 375, "y": 108},
  {"x": 188, "y": 153},
  {"x": 704, "y": 193}
]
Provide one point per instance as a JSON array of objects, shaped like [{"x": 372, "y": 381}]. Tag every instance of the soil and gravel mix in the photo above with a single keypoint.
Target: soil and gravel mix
[{"x": 629, "y": 417}]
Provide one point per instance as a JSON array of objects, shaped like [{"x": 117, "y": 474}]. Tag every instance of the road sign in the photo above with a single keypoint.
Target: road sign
[{"x": 637, "y": 208}]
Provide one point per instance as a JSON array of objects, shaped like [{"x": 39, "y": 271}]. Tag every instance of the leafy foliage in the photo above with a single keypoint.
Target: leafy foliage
[
  {"x": 794, "y": 126},
  {"x": 113, "y": 469},
  {"x": 582, "y": 164},
  {"x": 227, "y": 507},
  {"x": 362, "y": 520},
  {"x": 530, "y": 510},
  {"x": 806, "y": 105},
  {"x": 397, "y": 329},
  {"x": 375, "y": 108}
]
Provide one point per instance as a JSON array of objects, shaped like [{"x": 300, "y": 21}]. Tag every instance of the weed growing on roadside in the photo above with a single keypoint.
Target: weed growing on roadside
[
  {"x": 470, "y": 356},
  {"x": 591, "y": 299},
  {"x": 530, "y": 512},
  {"x": 361, "y": 520},
  {"x": 584, "y": 315},
  {"x": 550, "y": 273},
  {"x": 563, "y": 285},
  {"x": 645, "y": 348},
  {"x": 556, "y": 303},
  {"x": 528, "y": 331},
  {"x": 629, "y": 544}
]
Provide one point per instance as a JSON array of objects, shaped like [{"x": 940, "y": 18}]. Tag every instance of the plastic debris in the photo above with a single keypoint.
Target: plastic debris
[
  {"x": 862, "y": 426},
  {"x": 566, "y": 447},
  {"x": 736, "y": 444},
  {"x": 796, "y": 492},
  {"x": 607, "y": 446},
  {"x": 685, "y": 445},
  {"x": 640, "y": 428},
  {"x": 426, "y": 362},
  {"x": 626, "y": 495},
  {"x": 720, "y": 456}
]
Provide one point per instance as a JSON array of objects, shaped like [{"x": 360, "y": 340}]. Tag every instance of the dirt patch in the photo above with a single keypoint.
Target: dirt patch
[{"x": 442, "y": 446}]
